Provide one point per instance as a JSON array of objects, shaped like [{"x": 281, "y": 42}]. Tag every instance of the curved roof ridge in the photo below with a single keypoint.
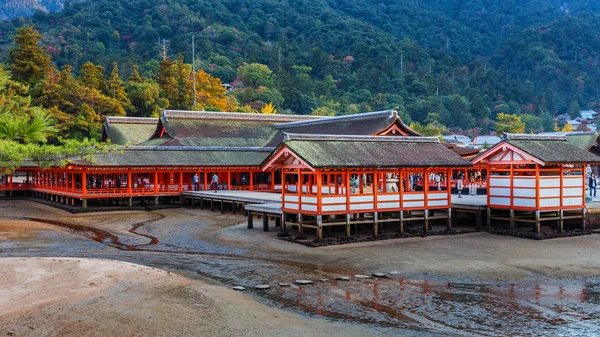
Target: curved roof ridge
[
  {"x": 130, "y": 120},
  {"x": 199, "y": 148},
  {"x": 343, "y": 118},
  {"x": 359, "y": 138},
  {"x": 515, "y": 136},
  {"x": 188, "y": 114}
]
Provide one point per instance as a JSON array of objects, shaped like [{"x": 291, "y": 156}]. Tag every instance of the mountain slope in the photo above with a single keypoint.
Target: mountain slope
[
  {"x": 448, "y": 61},
  {"x": 11, "y": 9}
]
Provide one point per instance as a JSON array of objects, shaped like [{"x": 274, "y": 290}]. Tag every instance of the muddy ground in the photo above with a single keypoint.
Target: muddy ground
[{"x": 171, "y": 272}]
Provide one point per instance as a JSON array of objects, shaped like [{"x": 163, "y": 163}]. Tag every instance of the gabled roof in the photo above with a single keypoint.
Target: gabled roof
[
  {"x": 128, "y": 130},
  {"x": 204, "y": 128},
  {"x": 335, "y": 151},
  {"x": 368, "y": 124},
  {"x": 545, "y": 149},
  {"x": 180, "y": 156},
  {"x": 461, "y": 150},
  {"x": 583, "y": 140}
]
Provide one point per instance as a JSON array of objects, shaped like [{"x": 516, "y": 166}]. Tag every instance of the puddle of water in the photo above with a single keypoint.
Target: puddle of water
[{"x": 413, "y": 306}]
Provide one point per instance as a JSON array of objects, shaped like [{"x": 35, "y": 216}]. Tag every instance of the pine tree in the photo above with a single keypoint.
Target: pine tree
[
  {"x": 28, "y": 62},
  {"x": 92, "y": 76},
  {"x": 116, "y": 90},
  {"x": 135, "y": 75},
  {"x": 185, "y": 99},
  {"x": 167, "y": 80}
]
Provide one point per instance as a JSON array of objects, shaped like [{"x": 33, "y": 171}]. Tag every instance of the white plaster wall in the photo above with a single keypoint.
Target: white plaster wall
[
  {"x": 388, "y": 205},
  {"x": 388, "y": 197},
  {"x": 572, "y": 201},
  {"x": 415, "y": 196},
  {"x": 363, "y": 198},
  {"x": 499, "y": 201},
  {"x": 358, "y": 207},
  {"x": 523, "y": 192},
  {"x": 546, "y": 182},
  {"x": 332, "y": 200},
  {"x": 290, "y": 206},
  {"x": 572, "y": 181},
  {"x": 499, "y": 181},
  {"x": 505, "y": 192},
  {"x": 437, "y": 203},
  {"x": 550, "y": 192},
  {"x": 572, "y": 191},
  {"x": 554, "y": 202},
  {"x": 332, "y": 208},
  {"x": 293, "y": 198},
  {"x": 309, "y": 207},
  {"x": 523, "y": 182},
  {"x": 524, "y": 202},
  {"x": 437, "y": 196},
  {"x": 309, "y": 199},
  {"x": 412, "y": 204}
]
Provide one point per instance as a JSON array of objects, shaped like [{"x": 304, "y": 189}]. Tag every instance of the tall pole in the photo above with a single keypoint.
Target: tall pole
[{"x": 194, "y": 69}]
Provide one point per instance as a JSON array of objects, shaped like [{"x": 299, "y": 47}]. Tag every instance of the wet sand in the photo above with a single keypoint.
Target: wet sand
[
  {"x": 443, "y": 281},
  {"x": 88, "y": 297}
]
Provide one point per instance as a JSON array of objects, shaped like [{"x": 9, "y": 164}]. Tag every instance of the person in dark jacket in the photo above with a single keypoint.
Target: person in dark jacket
[{"x": 592, "y": 185}]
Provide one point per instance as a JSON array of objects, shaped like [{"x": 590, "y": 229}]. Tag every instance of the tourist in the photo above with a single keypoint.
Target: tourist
[
  {"x": 438, "y": 181},
  {"x": 459, "y": 186},
  {"x": 592, "y": 184},
  {"x": 195, "y": 180},
  {"x": 215, "y": 182}
]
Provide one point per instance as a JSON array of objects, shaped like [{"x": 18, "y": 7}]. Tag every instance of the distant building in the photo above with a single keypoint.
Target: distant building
[
  {"x": 480, "y": 141},
  {"x": 458, "y": 139},
  {"x": 589, "y": 114}
]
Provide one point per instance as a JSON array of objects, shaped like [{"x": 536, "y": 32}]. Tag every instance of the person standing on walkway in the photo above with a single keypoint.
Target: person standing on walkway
[
  {"x": 215, "y": 182},
  {"x": 195, "y": 180},
  {"x": 592, "y": 184},
  {"x": 459, "y": 186}
]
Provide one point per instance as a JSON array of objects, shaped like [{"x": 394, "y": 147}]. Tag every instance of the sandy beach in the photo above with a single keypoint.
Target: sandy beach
[{"x": 89, "y": 297}]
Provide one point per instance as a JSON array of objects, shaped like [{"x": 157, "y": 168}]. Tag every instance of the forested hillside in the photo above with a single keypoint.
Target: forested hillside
[
  {"x": 446, "y": 62},
  {"x": 10, "y": 9}
]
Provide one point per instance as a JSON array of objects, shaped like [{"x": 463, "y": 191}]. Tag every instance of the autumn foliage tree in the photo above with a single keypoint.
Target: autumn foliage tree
[
  {"x": 28, "y": 62},
  {"x": 509, "y": 123}
]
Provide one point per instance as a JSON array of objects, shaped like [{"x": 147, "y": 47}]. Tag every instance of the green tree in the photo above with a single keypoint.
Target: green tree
[
  {"x": 255, "y": 75},
  {"x": 532, "y": 123},
  {"x": 574, "y": 110},
  {"x": 508, "y": 123},
  {"x": 428, "y": 130},
  {"x": 28, "y": 62},
  {"x": 323, "y": 111}
]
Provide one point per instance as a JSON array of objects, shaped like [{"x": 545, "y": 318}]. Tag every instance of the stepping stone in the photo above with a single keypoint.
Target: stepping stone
[
  {"x": 303, "y": 282},
  {"x": 380, "y": 275},
  {"x": 362, "y": 276},
  {"x": 323, "y": 280},
  {"x": 395, "y": 272},
  {"x": 239, "y": 288},
  {"x": 262, "y": 287},
  {"x": 285, "y": 285},
  {"x": 343, "y": 278}
]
